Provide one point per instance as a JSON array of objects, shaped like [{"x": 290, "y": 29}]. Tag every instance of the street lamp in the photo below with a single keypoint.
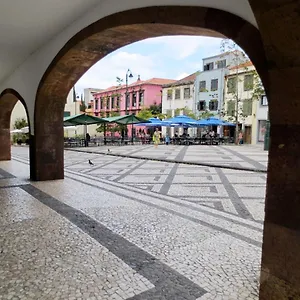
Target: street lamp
[{"x": 128, "y": 74}]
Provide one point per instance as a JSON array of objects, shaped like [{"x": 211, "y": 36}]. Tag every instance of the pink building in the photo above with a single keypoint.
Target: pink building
[{"x": 140, "y": 94}]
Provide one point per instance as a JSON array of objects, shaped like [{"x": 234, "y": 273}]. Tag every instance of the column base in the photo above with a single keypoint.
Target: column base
[
  {"x": 46, "y": 159},
  {"x": 280, "y": 273}
]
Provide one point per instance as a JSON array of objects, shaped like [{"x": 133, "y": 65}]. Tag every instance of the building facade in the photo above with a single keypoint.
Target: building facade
[
  {"x": 262, "y": 114},
  {"x": 209, "y": 83},
  {"x": 243, "y": 91},
  {"x": 72, "y": 106},
  {"x": 140, "y": 94},
  {"x": 178, "y": 96},
  {"x": 177, "y": 99}
]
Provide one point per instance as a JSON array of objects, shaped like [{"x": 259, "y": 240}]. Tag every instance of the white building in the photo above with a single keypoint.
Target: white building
[
  {"x": 262, "y": 111},
  {"x": 72, "y": 106},
  {"x": 178, "y": 98},
  {"x": 209, "y": 83},
  {"x": 243, "y": 83}
]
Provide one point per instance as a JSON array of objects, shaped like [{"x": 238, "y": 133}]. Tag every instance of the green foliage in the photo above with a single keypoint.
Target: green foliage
[
  {"x": 177, "y": 112},
  {"x": 82, "y": 106},
  {"x": 112, "y": 128},
  {"x": 253, "y": 87},
  {"x": 145, "y": 113},
  {"x": 188, "y": 112},
  {"x": 20, "y": 123},
  {"x": 206, "y": 114},
  {"x": 155, "y": 109}
]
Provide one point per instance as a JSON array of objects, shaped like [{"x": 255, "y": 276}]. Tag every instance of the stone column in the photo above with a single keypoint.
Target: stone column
[
  {"x": 279, "y": 24},
  {"x": 7, "y": 103},
  {"x": 47, "y": 143}
]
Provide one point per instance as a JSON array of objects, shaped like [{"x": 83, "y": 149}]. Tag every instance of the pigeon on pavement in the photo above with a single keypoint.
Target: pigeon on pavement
[{"x": 90, "y": 162}]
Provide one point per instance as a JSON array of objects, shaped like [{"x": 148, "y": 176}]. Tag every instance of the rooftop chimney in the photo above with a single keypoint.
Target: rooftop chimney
[{"x": 139, "y": 78}]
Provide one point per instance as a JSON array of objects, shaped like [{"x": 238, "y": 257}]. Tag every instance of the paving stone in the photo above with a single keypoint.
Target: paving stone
[{"x": 134, "y": 229}]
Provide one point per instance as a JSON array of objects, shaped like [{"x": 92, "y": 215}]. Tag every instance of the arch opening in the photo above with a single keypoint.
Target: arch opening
[
  {"x": 10, "y": 113},
  {"x": 103, "y": 37}
]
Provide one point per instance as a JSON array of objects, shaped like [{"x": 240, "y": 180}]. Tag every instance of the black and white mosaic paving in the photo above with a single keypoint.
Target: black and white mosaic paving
[{"x": 134, "y": 229}]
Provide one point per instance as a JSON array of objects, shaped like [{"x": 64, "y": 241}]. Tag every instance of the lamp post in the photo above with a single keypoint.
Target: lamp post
[{"x": 128, "y": 74}]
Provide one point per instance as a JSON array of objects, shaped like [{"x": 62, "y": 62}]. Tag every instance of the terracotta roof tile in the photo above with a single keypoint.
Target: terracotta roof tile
[
  {"x": 243, "y": 65},
  {"x": 187, "y": 79},
  {"x": 152, "y": 81}
]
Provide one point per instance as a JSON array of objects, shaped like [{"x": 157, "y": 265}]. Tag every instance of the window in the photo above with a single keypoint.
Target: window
[
  {"x": 134, "y": 99},
  {"x": 177, "y": 94},
  {"x": 208, "y": 66},
  {"x": 201, "y": 105},
  {"x": 202, "y": 86},
  {"x": 101, "y": 103},
  {"x": 247, "y": 107},
  {"x": 67, "y": 114},
  {"x": 96, "y": 104},
  {"x": 107, "y": 102},
  {"x": 187, "y": 93},
  {"x": 248, "y": 82},
  {"x": 113, "y": 102},
  {"x": 169, "y": 94},
  {"x": 264, "y": 100},
  {"x": 231, "y": 108},
  {"x": 221, "y": 64},
  {"x": 231, "y": 85},
  {"x": 127, "y": 100},
  {"x": 118, "y": 102},
  {"x": 213, "y": 104},
  {"x": 214, "y": 85},
  {"x": 141, "y": 98}
]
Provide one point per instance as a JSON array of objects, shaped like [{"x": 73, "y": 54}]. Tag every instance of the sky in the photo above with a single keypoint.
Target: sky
[{"x": 172, "y": 57}]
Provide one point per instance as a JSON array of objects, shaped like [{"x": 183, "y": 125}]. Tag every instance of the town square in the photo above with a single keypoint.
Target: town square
[
  {"x": 134, "y": 229},
  {"x": 149, "y": 150}
]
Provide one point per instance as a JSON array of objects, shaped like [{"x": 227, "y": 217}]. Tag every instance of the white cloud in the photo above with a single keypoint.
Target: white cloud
[
  {"x": 103, "y": 74},
  {"x": 155, "y": 63},
  {"x": 181, "y": 75},
  {"x": 181, "y": 47}
]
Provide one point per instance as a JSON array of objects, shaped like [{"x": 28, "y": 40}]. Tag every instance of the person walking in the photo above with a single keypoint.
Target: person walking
[
  {"x": 240, "y": 138},
  {"x": 167, "y": 139},
  {"x": 156, "y": 137}
]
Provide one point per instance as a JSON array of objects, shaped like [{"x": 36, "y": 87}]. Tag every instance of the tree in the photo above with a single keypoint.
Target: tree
[
  {"x": 237, "y": 110},
  {"x": 20, "y": 123},
  {"x": 188, "y": 112},
  {"x": 111, "y": 128},
  {"x": 82, "y": 106},
  {"x": 145, "y": 113},
  {"x": 205, "y": 115},
  {"x": 155, "y": 109}
]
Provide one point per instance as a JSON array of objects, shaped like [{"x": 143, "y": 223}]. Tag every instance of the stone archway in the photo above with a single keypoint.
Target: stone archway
[
  {"x": 106, "y": 35},
  {"x": 8, "y": 100}
]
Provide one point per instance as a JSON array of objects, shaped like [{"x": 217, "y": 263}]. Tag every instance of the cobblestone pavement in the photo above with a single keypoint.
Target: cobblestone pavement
[{"x": 134, "y": 229}]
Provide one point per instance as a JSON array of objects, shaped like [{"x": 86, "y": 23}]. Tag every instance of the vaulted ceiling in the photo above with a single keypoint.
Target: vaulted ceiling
[{"x": 25, "y": 26}]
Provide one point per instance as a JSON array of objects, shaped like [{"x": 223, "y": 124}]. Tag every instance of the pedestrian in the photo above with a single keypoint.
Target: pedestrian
[
  {"x": 167, "y": 139},
  {"x": 156, "y": 137},
  {"x": 240, "y": 138},
  {"x": 87, "y": 139}
]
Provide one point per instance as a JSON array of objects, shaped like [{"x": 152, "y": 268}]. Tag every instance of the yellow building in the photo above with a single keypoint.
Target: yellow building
[{"x": 243, "y": 90}]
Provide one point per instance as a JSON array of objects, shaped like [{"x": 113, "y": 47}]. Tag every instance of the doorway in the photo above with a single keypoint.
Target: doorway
[{"x": 247, "y": 135}]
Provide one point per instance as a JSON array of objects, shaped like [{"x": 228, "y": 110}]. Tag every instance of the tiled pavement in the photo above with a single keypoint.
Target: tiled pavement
[{"x": 134, "y": 229}]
